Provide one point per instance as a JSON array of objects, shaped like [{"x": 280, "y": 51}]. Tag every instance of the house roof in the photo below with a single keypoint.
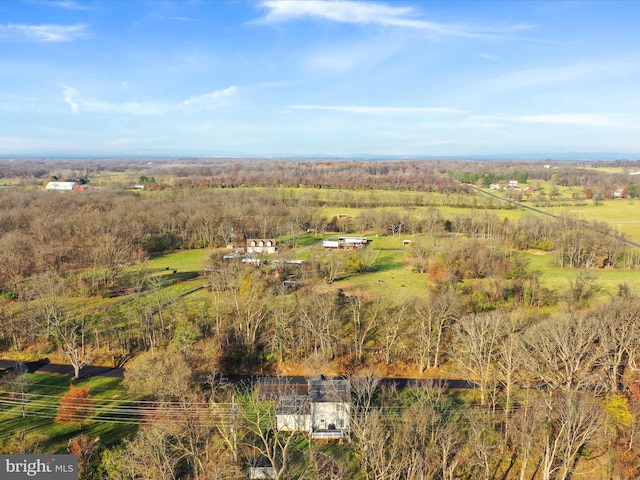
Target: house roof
[
  {"x": 323, "y": 389},
  {"x": 273, "y": 389},
  {"x": 60, "y": 185}
]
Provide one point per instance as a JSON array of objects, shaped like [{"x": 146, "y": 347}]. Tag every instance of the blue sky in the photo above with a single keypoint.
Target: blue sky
[{"x": 334, "y": 78}]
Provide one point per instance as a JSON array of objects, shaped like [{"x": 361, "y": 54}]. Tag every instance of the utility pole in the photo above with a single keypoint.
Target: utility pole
[{"x": 234, "y": 427}]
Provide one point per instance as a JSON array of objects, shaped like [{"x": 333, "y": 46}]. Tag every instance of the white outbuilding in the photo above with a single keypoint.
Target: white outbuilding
[{"x": 60, "y": 185}]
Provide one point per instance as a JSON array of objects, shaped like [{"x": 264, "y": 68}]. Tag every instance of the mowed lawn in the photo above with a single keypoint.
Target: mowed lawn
[{"x": 111, "y": 420}]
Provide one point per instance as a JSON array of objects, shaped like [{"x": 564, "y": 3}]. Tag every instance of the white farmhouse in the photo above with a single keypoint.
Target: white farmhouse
[
  {"x": 324, "y": 413},
  {"x": 261, "y": 245},
  {"x": 330, "y": 408}
]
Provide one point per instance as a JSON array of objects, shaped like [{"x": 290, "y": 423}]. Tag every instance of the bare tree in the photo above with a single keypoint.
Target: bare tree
[
  {"x": 565, "y": 353},
  {"x": 431, "y": 434},
  {"x": 576, "y": 421},
  {"x": 478, "y": 340},
  {"x": 376, "y": 437},
  {"x": 257, "y": 419},
  {"x": 435, "y": 314},
  {"x": 526, "y": 430},
  {"x": 619, "y": 338},
  {"x": 367, "y": 317},
  {"x": 62, "y": 321},
  {"x": 163, "y": 375},
  {"x": 510, "y": 360},
  {"x": 320, "y": 317},
  {"x": 482, "y": 443},
  {"x": 18, "y": 385},
  {"x": 379, "y": 446},
  {"x": 250, "y": 298}
]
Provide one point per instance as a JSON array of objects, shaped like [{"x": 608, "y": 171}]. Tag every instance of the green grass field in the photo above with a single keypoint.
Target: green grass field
[
  {"x": 183, "y": 261},
  {"x": 38, "y": 428},
  {"x": 622, "y": 215},
  {"x": 391, "y": 274}
]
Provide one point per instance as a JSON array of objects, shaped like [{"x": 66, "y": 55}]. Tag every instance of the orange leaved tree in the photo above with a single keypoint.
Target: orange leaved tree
[{"x": 75, "y": 406}]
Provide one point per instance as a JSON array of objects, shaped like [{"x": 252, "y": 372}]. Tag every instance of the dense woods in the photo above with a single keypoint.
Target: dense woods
[{"x": 554, "y": 368}]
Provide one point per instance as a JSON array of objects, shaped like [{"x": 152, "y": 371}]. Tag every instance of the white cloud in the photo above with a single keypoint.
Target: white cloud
[
  {"x": 211, "y": 100},
  {"x": 373, "y": 14},
  {"x": 377, "y": 110},
  {"x": 69, "y": 93},
  {"x": 43, "y": 33}
]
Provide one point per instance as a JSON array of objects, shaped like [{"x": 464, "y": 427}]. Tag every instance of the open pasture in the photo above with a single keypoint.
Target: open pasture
[{"x": 37, "y": 428}]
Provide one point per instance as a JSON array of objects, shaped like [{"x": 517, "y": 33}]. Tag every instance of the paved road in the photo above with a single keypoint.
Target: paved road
[{"x": 43, "y": 366}]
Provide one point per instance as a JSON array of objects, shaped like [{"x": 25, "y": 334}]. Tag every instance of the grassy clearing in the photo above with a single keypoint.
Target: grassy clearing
[
  {"x": 38, "y": 427},
  {"x": 184, "y": 260},
  {"x": 558, "y": 278},
  {"x": 391, "y": 274},
  {"x": 603, "y": 169},
  {"x": 623, "y": 216},
  {"x": 445, "y": 211}
]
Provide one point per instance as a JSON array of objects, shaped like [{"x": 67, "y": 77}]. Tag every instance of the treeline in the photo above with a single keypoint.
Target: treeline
[
  {"x": 102, "y": 232},
  {"x": 394, "y": 175},
  {"x": 580, "y": 174},
  {"x": 420, "y": 175},
  {"x": 556, "y": 398}
]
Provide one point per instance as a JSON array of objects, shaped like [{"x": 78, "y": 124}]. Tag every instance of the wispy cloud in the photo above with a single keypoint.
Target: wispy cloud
[
  {"x": 489, "y": 56},
  {"x": 373, "y": 14},
  {"x": 378, "y": 110},
  {"x": 18, "y": 103},
  {"x": 43, "y": 33},
  {"x": 140, "y": 109},
  {"x": 68, "y": 93},
  {"x": 542, "y": 77},
  {"x": 207, "y": 101},
  {"x": 583, "y": 119},
  {"x": 69, "y": 5},
  {"x": 577, "y": 119},
  {"x": 169, "y": 18}
]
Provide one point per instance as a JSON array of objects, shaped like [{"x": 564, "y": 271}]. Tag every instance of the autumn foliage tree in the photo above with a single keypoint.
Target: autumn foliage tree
[
  {"x": 88, "y": 451},
  {"x": 75, "y": 406}
]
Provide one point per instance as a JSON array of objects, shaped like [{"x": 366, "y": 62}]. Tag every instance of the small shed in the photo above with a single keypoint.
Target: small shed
[{"x": 262, "y": 468}]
